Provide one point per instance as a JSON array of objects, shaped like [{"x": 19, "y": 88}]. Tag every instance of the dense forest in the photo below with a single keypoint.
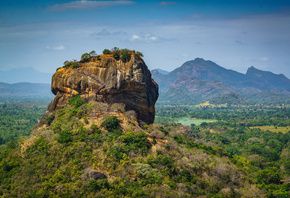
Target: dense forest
[
  {"x": 244, "y": 132},
  {"x": 80, "y": 155},
  {"x": 18, "y": 116}
]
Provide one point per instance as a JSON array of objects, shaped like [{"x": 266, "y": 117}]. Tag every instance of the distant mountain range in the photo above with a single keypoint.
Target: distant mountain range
[
  {"x": 200, "y": 80},
  {"x": 161, "y": 71},
  {"x": 25, "y": 89},
  {"x": 27, "y": 74}
]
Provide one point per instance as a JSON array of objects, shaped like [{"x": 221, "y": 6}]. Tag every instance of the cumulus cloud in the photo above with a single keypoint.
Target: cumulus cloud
[
  {"x": 135, "y": 37},
  {"x": 147, "y": 37},
  {"x": 56, "y": 47},
  {"x": 87, "y": 5},
  {"x": 164, "y": 3}
]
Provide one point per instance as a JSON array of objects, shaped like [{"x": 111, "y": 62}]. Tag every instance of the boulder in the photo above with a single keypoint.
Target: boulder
[{"x": 97, "y": 175}]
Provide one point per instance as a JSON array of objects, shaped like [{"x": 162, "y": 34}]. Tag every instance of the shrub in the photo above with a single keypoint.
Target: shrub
[
  {"x": 85, "y": 57},
  {"x": 65, "y": 136},
  {"x": 115, "y": 49},
  {"x": 116, "y": 56},
  {"x": 67, "y": 64},
  {"x": 75, "y": 65},
  {"x": 157, "y": 134},
  {"x": 93, "y": 53},
  {"x": 125, "y": 55},
  {"x": 95, "y": 129},
  {"x": 118, "y": 152},
  {"x": 139, "y": 54},
  {"x": 82, "y": 134},
  {"x": 178, "y": 138},
  {"x": 111, "y": 123},
  {"x": 96, "y": 185},
  {"x": 49, "y": 119},
  {"x": 136, "y": 141},
  {"x": 145, "y": 170},
  {"x": 76, "y": 101},
  {"x": 106, "y": 51},
  {"x": 86, "y": 120},
  {"x": 164, "y": 131},
  {"x": 268, "y": 176}
]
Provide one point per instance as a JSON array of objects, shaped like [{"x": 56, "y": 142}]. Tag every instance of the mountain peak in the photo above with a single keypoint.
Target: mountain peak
[
  {"x": 161, "y": 71},
  {"x": 198, "y": 59}
]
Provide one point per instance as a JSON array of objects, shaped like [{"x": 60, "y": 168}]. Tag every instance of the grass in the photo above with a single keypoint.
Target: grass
[{"x": 273, "y": 128}]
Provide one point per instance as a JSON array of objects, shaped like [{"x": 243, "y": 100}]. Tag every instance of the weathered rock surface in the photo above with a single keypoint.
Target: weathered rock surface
[{"x": 129, "y": 83}]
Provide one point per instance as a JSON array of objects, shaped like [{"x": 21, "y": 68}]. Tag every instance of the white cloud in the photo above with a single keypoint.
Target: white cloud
[
  {"x": 153, "y": 38},
  {"x": 145, "y": 37},
  {"x": 87, "y": 5},
  {"x": 135, "y": 37},
  {"x": 56, "y": 47},
  {"x": 148, "y": 37}
]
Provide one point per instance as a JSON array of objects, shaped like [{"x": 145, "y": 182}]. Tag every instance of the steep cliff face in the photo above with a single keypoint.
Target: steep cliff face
[{"x": 108, "y": 80}]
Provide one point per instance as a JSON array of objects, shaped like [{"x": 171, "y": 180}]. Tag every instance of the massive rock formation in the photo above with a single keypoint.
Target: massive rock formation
[{"x": 108, "y": 80}]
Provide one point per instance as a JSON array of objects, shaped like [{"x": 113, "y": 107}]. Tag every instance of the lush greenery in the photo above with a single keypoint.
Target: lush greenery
[
  {"x": 227, "y": 158},
  {"x": 266, "y": 153},
  {"x": 164, "y": 161},
  {"x": 258, "y": 115},
  {"x": 17, "y": 120}
]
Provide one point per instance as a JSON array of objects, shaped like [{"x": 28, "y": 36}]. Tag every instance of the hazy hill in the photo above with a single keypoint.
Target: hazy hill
[
  {"x": 161, "y": 71},
  {"x": 212, "y": 80},
  {"x": 190, "y": 89},
  {"x": 231, "y": 99},
  {"x": 20, "y": 89},
  {"x": 208, "y": 70},
  {"x": 269, "y": 97},
  {"x": 266, "y": 80},
  {"x": 27, "y": 74}
]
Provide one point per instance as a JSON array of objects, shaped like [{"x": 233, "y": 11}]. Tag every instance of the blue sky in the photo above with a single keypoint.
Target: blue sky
[{"x": 235, "y": 34}]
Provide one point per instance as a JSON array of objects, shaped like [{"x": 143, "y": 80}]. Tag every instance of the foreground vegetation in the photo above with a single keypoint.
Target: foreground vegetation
[
  {"x": 84, "y": 154},
  {"x": 17, "y": 117},
  {"x": 111, "y": 156},
  {"x": 246, "y": 132}
]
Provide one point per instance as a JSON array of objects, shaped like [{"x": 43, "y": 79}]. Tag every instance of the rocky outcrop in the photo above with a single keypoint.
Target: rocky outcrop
[
  {"x": 108, "y": 80},
  {"x": 95, "y": 175}
]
